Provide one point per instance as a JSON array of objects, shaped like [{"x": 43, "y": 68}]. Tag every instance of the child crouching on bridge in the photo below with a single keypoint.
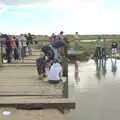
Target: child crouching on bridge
[{"x": 55, "y": 73}]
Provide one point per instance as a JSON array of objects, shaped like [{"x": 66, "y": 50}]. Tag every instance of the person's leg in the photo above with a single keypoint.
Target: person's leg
[
  {"x": 12, "y": 54},
  {"x": 30, "y": 49},
  {"x": 20, "y": 53},
  {"x": 39, "y": 65},
  {"x": 15, "y": 54},
  {"x": 25, "y": 51},
  {"x": 44, "y": 64},
  {"x": 7, "y": 55}
]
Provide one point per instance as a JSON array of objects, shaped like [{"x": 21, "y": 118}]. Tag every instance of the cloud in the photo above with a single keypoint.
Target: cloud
[
  {"x": 87, "y": 18},
  {"x": 20, "y": 2},
  {"x": 2, "y": 8},
  {"x": 84, "y": 16}
]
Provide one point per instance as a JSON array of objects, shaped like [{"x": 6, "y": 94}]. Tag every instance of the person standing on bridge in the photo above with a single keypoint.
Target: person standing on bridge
[
  {"x": 8, "y": 48},
  {"x": 16, "y": 50},
  {"x": 29, "y": 43},
  {"x": 76, "y": 38},
  {"x": 13, "y": 46},
  {"x": 22, "y": 46}
]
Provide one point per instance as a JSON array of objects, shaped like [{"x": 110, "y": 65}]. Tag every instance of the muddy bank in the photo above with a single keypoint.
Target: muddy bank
[{"x": 14, "y": 114}]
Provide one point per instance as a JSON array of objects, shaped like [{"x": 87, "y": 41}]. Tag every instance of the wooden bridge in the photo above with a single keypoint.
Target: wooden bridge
[{"x": 20, "y": 87}]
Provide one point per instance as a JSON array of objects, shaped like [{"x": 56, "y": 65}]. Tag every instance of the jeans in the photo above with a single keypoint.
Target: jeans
[
  {"x": 8, "y": 54},
  {"x": 24, "y": 51},
  {"x": 20, "y": 53},
  {"x": 30, "y": 49}
]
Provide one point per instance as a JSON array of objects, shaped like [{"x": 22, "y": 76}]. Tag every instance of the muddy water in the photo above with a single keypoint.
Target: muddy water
[{"x": 96, "y": 91}]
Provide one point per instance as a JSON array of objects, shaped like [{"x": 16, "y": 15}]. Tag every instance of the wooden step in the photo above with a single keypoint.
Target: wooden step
[{"x": 34, "y": 103}]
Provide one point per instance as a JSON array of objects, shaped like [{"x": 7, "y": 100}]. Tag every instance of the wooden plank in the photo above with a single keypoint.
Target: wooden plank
[
  {"x": 23, "y": 81},
  {"x": 60, "y": 104},
  {"x": 20, "y": 65},
  {"x": 30, "y": 94}
]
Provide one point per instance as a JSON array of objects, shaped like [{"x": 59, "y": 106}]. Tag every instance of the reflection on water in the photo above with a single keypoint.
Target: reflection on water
[
  {"x": 76, "y": 72},
  {"x": 92, "y": 72},
  {"x": 114, "y": 66},
  {"x": 93, "y": 97},
  {"x": 101, "y": 69}
]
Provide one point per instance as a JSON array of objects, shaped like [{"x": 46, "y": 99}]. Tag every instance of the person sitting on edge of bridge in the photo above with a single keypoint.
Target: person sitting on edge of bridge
[
  {"x": 46, "y": 58},
  {"x": 55, "y": 72}
]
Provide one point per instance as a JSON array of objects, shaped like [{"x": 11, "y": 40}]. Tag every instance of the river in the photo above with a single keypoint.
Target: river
[{"x": 96, "y": 91}]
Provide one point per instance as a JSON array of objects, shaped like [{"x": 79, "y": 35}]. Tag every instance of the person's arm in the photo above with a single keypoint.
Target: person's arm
[{"x": 61, "y": 73}]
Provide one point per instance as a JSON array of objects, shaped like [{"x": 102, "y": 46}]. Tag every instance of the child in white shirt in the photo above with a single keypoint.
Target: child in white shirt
[{"x": 55, "y": 73}]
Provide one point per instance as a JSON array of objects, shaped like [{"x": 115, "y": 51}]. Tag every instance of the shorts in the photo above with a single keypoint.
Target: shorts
[{"x": 114, "y": 50}]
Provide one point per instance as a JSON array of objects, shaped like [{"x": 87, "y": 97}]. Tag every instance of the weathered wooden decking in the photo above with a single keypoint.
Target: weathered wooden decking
[
  {"x": 23, "y": 81},
  {"x": 20, "y": 87}
]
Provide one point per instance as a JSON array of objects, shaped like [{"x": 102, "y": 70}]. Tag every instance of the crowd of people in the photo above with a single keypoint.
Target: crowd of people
[
  {"x": 50, "y": 64},
  {"x": 15, "y": 48}
]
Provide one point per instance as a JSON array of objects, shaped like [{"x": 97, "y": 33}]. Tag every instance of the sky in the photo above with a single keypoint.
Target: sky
[{"x": 52, "y": 16}]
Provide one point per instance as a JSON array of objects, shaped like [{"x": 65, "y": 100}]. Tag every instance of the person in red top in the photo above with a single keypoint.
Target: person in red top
[
  {"x": 13, "y": 43},
  {"x": 13, "y": 46}
]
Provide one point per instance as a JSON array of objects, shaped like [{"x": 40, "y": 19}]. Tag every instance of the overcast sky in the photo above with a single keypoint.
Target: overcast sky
[{"x": 48, "y": 16}]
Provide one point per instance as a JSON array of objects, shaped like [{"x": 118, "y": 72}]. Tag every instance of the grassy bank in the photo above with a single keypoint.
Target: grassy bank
[{"x": 88, "y": 46}]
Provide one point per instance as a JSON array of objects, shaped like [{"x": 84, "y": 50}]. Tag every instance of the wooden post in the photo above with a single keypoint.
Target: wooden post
[
  {"x": 65, "y": 67},
  {"x": 65, "y": 87}
]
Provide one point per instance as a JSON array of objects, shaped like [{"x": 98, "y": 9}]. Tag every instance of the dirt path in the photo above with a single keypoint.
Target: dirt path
[{"x": 31, "y": 115}]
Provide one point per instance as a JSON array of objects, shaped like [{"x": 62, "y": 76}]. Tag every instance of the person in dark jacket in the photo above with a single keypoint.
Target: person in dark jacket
[
  {"x": 16, "y": 50},
  {"x": 8, "y": 49},
  {"x": 29, "y": 43}
]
